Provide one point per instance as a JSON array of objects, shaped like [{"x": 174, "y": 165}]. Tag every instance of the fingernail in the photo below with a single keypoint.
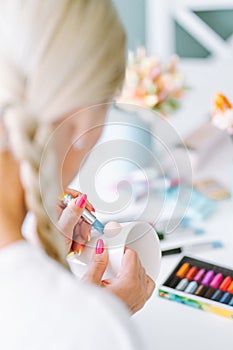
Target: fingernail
[
  {"x": 80, "y": 249},
  {"x": 81, "y": 201},
  {"x": 70, "y": 254},
  {"x": 62, "y": 195},
  {"x": 99, "y": 247},
  {"x": 88, "y": 238}
]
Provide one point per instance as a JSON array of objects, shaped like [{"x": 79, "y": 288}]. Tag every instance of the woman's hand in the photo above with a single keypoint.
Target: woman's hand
[
  {"x": 131, "y": 284},
  {"x": 75, "y": 230}
]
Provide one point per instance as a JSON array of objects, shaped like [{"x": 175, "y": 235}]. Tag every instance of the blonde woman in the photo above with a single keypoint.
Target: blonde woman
[{"x": 57, "y": 58}]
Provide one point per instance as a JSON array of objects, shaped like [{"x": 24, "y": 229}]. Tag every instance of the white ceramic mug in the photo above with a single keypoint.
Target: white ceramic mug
[{"x": 138, "y": 236}]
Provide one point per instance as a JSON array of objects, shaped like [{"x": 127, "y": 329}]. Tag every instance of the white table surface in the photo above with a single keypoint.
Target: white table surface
[{"x": 169, "y": 325}]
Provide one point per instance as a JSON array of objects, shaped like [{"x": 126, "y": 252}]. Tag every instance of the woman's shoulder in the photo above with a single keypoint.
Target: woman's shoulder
[
  {"x": 29, "y": 266},
  {"x": 40, "y": 290}
]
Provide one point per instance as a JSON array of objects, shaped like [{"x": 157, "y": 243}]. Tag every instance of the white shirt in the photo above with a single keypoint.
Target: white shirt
[{"x": 42, "y": 306}]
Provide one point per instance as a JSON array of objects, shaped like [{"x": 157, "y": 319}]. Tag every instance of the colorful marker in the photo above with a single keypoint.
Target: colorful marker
[
  {"x": 199, "y": 276},
  {"x": 193, "y": 247},
  {"x": 183, "y": 270},
  {"x": 201, "y": 290},
  {"x": 191, "y": 273},
  {"x": 217, "y": 295},
  {"x": 216, "y": 281},
  {"x": 182, "y": 284},
  {"x": 191, "y": 288},
  {"x": 209, "y": 293},
  {"x": 225, "y": 283},
  {"x": 86, "y": 215},
  {"x": 174, "y": 282},
  {"x": 208, "y": 278},
  {"x": 226, "y": 298},
  {"x": 231, "y": 302},
  {"x": 230, "y": 288},
  {"x": 209, "y": 282}
]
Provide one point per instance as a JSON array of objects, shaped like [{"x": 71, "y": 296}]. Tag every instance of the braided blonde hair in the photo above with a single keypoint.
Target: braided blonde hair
[{"x": 55, "y": 56}]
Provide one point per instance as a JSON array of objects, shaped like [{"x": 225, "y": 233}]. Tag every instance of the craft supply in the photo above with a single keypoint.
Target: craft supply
[
  {"x": 192, "y": 273},
  {"x": 230, "y": 288},
  {"x": 225, "y": 283},
  {"x": 217, "y": 295},
  {"x": 201, "y": 290},
  {"x": 156, "y": 184},
  {"x": 209, "y": 293},
  {"x": 216, "y": 281},
  {"x": 199, "y": 275},
  {"x": 208, "y": 278},
  {"x": 174, "y": 282},
  {"x": 138, "y": 236},
  {"x": 183, "y": 270},
  {"x": 86, "y": 215},
  {"x": 192, "y": 247},
  {"x": 192, "y": 287},
  {"x": 226, "y": 298},
  {"x": 212, "y": 189},
  {"x": 112, "y": 229},
  {"x": 182, "y": 284},
  {"x": 201, "y": 284},
  {"x": 199, "y": 206}
]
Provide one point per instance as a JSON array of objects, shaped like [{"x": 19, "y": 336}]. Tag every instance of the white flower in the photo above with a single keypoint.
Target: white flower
[
  {"x": 224, "y": 120},
  {"x": 151, "y": 100},
  {"x": 132, "y": 79}
]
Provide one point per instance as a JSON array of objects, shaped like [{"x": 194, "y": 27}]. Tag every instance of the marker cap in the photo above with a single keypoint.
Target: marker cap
[
  {"x": 216, "y": 280},
  {"x": 183, "y": 270},
  {"x": 199, "y": 276},
  {"x": 192, "y": 287},
  {"x": 225, "y": 283},
  {"x": 208, "y": 278},
  {"x": 182, "y": 284}
]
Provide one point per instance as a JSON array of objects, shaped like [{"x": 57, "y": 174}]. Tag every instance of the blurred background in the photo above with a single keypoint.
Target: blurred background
[
  {"x": 200, "y": 32},
  {"x": 180, "y": 56}
]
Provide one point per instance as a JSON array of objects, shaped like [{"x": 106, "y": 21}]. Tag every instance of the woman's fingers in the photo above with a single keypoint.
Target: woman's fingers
[
  {"x": 132, "y": 285},
  {"x": 150, "y": 286},
  {"x": 130, "y": 262},
  {"x": 76, "y": 231},
  {"x": 77, "y": 247},
  {"x": 98, "y": 264},
  {"x": 81, "y": 235},
  {"x": 146, "y": 280},
  {"x": 61, "y": 206},
  {"x": 82, "y": 232},
  {"x": 75, "y": 194},
  {"x": 70, "y": 217}
]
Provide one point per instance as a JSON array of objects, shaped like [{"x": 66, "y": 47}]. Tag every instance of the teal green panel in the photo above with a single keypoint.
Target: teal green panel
[
  {"x": 187, "y": 46},
  {"x": 220, "y": 21},
  {"x": 132, "y": 14}
]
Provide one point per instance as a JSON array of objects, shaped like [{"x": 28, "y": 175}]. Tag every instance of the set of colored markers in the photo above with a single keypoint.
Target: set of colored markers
[
  {"x": 201, "y": 285},
  {"x": 204, "y": 283}
]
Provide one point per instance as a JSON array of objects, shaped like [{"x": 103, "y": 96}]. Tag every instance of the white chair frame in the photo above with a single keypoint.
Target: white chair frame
[{"x": 160, "y": 16}]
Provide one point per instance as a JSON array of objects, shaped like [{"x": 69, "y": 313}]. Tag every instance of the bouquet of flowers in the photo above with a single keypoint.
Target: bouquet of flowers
[
  {"x": 151, "y": 84},
  {"x": 222, "y": 114}
]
